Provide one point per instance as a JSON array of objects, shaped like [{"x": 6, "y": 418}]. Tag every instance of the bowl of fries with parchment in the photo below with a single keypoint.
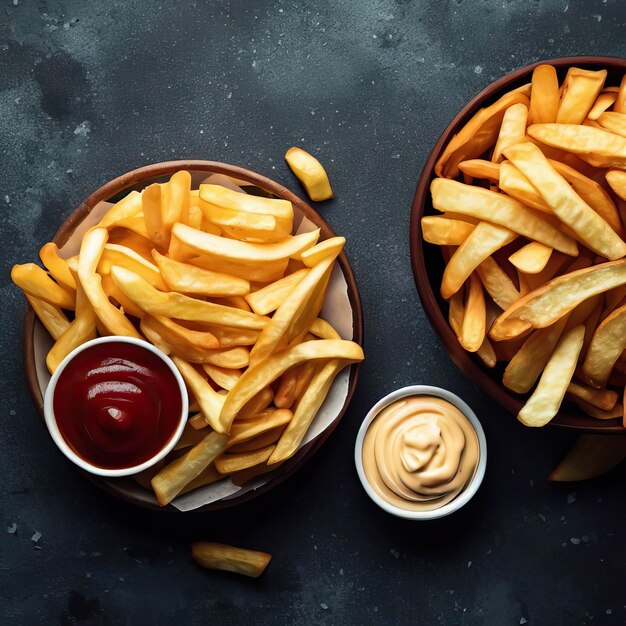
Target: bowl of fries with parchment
[
  {"x": 242, "y": 284},
  {"x": 518, "y": 242}
]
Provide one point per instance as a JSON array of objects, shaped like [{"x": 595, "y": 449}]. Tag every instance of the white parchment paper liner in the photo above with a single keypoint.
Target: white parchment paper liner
[{"x": 337, "y": 310}]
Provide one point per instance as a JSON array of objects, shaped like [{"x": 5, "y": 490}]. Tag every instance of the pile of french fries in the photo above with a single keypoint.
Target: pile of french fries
[
  {"x": 213, "y": 277},
  {"x": 533, "y": 196}
]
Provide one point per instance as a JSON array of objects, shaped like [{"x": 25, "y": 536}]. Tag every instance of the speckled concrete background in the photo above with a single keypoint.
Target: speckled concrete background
[{"x": 89, "y": 90}]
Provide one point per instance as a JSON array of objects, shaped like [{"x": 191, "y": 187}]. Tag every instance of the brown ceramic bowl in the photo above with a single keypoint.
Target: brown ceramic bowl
[
  {"x": 127, "y": 489},
  {"x": 428, "y": 264}
]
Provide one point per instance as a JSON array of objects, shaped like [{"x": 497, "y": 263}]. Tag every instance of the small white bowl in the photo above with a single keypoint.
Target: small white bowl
[
  {"x": 469, "y": 490},
  {"x": 58, "y": 437}
]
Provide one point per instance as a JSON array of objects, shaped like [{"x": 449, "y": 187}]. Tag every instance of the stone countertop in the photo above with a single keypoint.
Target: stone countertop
[{"x": 89, "y": 90}]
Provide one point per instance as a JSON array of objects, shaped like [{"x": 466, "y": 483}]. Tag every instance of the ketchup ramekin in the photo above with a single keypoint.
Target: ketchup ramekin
[
  {"x": 468, "y": 491},
  {"x": 58, "y": 438}
]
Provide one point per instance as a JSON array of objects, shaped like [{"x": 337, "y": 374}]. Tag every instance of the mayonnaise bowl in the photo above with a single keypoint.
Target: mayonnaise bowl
[{"x": 460, "y": 435}]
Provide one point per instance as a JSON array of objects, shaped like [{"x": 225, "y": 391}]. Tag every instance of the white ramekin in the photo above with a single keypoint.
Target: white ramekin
[
  {"x": 470, "y": 489},
  {"x": 56, "y": 435}
]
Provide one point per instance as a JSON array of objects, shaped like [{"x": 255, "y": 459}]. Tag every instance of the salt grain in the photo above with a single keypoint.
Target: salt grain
[
  {"x": 36, "y": 537},
  {"x": 324, "y": 606},
  {"x": 571, "y": 498},
  {"x": 12, "y": 529},
  {"x": 575, "y": 540}
]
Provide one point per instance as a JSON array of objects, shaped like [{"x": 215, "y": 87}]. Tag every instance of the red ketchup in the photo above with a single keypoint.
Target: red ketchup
[{"x": 117, "y": 404}]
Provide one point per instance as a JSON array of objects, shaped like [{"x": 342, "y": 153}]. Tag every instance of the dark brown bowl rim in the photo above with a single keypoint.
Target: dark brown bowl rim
[
  {"x": 470, "y": 364},
  {"x": 123, "y": 182}
]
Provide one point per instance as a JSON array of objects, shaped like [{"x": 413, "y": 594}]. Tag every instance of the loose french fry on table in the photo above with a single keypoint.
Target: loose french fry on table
[{"x": 219, "y": 556}]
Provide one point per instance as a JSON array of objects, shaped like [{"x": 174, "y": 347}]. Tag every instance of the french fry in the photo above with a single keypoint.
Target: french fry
[
  {"x": 544, "y": 95},
  {"x": 114, "y": 254},
  {"x": 591, "y": 456},
  {"x": 51, "y": 316},
  {"x": 137, "y": 225},
  {"x": 259, "y": 424},
  {"x": 620, "y": 102},
  {"x": 270, "y": 297},
  {"x": 512, "y": 129},
  {"x": 524, "y": 368},
  {"x": 129, "y": 206},
  {"x": 265, "y": 372},
  {"x": 444, "y": 231},
  {"x": 497, "y": 283},
  {"x": 207, "y": 476},
  {"x": 113, "y": 291},
  {"x": 173, "y": 304},
  {"x": 216, "y": 197},
  {"x": 479, "y": 168},
  {"x": 210, "y": 401},
  {"x": 219, "y": 556},
  {"x": 176, "y": 334},
  {"x": 322, "y": 329},
  {"x": 607, "y": 344},
  {"x": 228, "y": 337},
  {"x": 173, "y": 478},
  {"x": 614, "y": 122},
  {"x": 176, "y": 195},
  {"x": 152, "y": 200},
  {"x": 579, "y": 92},
  {"x": 450, "y": 195},
  {"x": 516, "y": 185},
  {"x": 546, "y": 400},
  {"x": 82, "y": 329},
  {"x": 49, "y": 255},
  {"x": 229, "y": 463},
  {"x": 257, "y": 404},
  {"x": 547, "y": 304},
  {"x": 191, "y": 437},
  {"x": 189, "y": 279},
  {"x": 473, "y": 327},
  {"x": 311, "y": 173},
  {"x": 263, "y": 440},
  {"x": 293, "y": 318},
  {"x": 223, "y": 377},
  {"x": 479, "y": 134},
  {"x": 565, "y": 202},
  {"x": 306, "y": 410},
  {"x": 483, "y": 241},
  {"x": 591, "y": 192},
  {"x": 328, "y": 248},
  {"x": 599, "y": 414},
  {"x": 531, "y": 258},
  {"x": 34, "y": 281},
  {"x": 598, "y": 147},
  {"x": 603, "y": 102},
  {"x": 604, "y": 399},
  {"x": 111, "y": 317},
  {"x": 617, "y": 181},
  {"x": 141, "y": 245}
]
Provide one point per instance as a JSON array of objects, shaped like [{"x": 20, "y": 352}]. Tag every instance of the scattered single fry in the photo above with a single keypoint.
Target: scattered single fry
[
  {"x": 219, "y": 556},
  {"x": 591, "y": 456},
  {"x": 311, "y": 173}
]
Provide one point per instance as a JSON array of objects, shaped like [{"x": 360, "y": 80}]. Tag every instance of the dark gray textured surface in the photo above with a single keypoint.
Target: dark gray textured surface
[{"x": 89, "y": 90}]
